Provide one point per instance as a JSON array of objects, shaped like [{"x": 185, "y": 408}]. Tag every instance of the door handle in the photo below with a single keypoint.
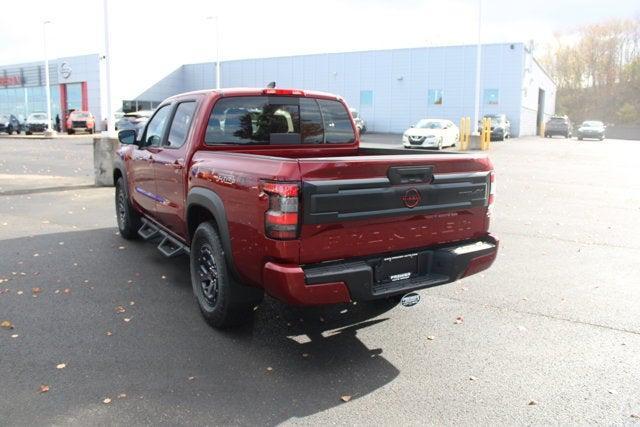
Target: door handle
[{"x": 410, "y": 174}]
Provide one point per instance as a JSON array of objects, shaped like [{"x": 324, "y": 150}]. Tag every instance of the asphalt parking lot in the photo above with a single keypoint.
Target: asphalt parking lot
[{"x": 550, "y": 334}]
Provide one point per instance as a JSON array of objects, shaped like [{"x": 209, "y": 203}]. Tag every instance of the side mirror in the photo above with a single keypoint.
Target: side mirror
[
  {"x": 127, "y": 137},
  {"x": 412, "y": 126}
]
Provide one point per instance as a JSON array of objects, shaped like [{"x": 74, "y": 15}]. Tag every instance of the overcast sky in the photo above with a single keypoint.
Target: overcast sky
[{"x": 151, "y": 38}]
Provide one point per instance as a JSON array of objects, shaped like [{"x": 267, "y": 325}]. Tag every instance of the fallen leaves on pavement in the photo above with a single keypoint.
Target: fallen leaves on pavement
[
  {"x": 43, "y": 388},
  {"x": 345, "y": 398},
  {"x": 120, "y": 309},
  {"x": 459, "y": 320},
  {"x": 61, "y": 365},
  {"x": 6, "y": 324}
]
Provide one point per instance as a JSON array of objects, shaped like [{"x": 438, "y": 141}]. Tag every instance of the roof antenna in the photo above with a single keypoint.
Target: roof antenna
[{"x": 271, "y": 85}]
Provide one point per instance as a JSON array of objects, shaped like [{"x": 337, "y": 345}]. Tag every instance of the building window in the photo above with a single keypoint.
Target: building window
[
  {"x": 366, "y": 98},
  {"x": 491, "y": 96},
  {"x": 435, "y": 96}
]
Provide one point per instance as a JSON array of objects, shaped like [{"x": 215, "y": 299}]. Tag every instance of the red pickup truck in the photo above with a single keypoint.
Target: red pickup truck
[{"x": 269, "y": 190}]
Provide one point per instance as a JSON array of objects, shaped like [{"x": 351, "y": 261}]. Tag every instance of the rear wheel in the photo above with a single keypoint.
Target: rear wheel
[
  {"x": 223, "y": 301},
  {"x": 9, "y": 130},
  {"x": 128, "y": 219},
  {"x": 70, "y": 132}
]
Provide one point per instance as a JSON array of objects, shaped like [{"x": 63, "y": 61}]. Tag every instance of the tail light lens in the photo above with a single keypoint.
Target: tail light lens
[
  {"x": 281, "y": 220},
  {"x": 492, "y": 191}
]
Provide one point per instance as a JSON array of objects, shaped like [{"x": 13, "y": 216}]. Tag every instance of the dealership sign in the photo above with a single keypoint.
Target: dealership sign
[
  {"x": 10, "y": 80},
  {"x": 65, "y": 70}
]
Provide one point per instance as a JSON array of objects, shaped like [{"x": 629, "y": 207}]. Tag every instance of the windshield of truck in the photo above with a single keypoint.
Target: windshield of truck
[{"x": 278, "y": 120}]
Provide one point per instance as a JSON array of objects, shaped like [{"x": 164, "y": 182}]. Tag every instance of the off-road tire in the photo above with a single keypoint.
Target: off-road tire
[
  {"x": 128, "y": 219},
  {"x": 224, "y": 303}
]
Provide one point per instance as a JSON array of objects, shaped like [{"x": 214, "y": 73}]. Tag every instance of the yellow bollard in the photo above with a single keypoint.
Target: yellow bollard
[
  {"x": 485, "y": 138},
  {"x": 461, "y": 137},
  {"x": 467, "y": 133},
  {"x": 488, "y": 144}
]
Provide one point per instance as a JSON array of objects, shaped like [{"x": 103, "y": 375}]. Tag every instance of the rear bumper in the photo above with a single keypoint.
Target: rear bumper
[{"x": 346, "y": 281}]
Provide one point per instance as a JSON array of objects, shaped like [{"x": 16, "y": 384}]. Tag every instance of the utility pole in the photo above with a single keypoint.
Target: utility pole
[
  {"x": 111, "y": 126},
  {"x": 478, "y": 74},
  {"x": 216, "y": 20},
  {"x": 46, "y": 76}
]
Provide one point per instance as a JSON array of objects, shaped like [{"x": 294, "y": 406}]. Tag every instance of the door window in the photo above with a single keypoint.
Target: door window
[
  {"x": 156, "y": 127},
  {"x": 180, "y": 125}
]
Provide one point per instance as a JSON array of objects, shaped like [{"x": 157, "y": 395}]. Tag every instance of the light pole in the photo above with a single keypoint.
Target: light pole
[
  {"x": 111, "y": 126},
  {"x": 46, "y": 75},
  {"x": 217, "y": 24},
  {"x": 478, "y": 65}
]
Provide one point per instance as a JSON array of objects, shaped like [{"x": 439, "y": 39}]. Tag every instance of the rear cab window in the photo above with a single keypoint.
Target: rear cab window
[{"x": 278, "y": 120}]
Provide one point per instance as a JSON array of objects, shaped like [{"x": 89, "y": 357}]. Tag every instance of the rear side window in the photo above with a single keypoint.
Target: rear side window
[{"x": 280, "y": 120}]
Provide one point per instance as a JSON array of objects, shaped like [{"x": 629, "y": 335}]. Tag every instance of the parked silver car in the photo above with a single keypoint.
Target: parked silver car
[
  {"x": 135, "y": 120},
  {"x": 359, "y": 121}
]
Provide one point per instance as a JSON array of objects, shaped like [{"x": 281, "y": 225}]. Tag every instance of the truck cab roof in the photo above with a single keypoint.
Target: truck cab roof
[{"x": 246, "y": 91}]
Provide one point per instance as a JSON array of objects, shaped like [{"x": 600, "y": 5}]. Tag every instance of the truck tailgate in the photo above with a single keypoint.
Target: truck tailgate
[{"x": 364, "y": 205}]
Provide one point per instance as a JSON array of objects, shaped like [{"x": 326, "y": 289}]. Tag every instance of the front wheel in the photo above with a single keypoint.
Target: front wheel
[
  {"x": 128, "y": 219},
  {"x": 440, "y": 144},
  {"x": 9, "y": 130},
  {"x": 223, "y": 301}
]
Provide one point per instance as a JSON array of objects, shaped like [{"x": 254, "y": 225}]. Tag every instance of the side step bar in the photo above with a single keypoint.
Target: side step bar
[{"x": 168, "y": 246}]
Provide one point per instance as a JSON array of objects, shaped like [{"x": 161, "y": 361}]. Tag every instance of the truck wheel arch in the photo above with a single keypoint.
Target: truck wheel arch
[{"x": 202, "y": 201}]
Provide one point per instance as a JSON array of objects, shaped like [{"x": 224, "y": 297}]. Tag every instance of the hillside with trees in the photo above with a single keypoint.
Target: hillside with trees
[{"x": 597, "y": 69}]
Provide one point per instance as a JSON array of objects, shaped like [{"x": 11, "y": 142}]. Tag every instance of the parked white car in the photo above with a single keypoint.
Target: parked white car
[{"x": 431, "y": 133}]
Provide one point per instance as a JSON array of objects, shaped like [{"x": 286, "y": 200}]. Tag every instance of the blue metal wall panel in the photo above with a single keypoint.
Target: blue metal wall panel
[{"x": 400, "y": 81}]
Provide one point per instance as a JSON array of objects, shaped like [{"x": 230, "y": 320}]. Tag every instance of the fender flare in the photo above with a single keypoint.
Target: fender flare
[
  {"x": 209, "y": 199},
  {"x": 118, "y": 165}
]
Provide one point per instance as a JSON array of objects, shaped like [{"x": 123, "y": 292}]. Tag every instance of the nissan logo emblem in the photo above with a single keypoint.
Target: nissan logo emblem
[
  {"x": 411, "y": 198},
  {"x": 65, "y": 70}
]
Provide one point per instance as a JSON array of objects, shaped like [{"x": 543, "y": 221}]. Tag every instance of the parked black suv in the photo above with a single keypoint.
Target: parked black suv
[
  {"x": 9, "y": 124},
  {"x": 500, "y": 126},
  {"x": 558, "y": 125}
]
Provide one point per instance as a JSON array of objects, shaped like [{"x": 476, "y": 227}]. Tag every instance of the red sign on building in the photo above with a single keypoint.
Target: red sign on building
[{"x": 10, "y": 80}]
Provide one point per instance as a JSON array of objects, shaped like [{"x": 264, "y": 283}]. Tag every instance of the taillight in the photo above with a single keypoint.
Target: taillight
[
  {"x": 492, "y": 191},
  {"x": 281, "y": 220}
]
